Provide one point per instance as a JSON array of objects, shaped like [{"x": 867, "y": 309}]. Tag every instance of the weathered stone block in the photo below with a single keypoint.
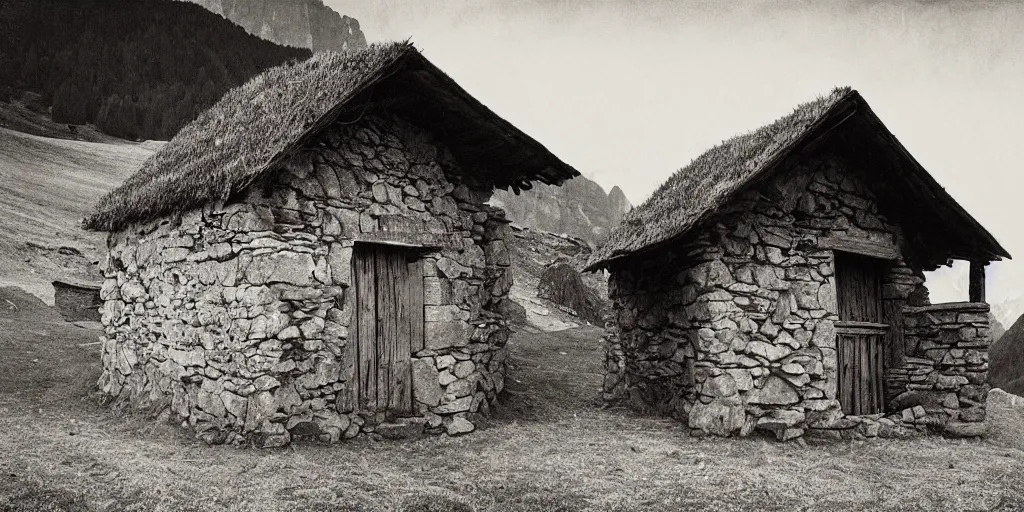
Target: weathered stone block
[
  {"x": 464, "y": 369},
  {"x": 261, "y": 406},
  {"x": 425, "y": 384},
  {"x": 454, "y": 406},
  {"x": 281, "y": 267},
  {"x": 780, "y": 419},
  {"x": 775, "y": 391},
  {"x": 437, "y": 291},
  {"x": 452, "y": 269},
  {"x": 711, "y": 273},
  {"x": 234, "y": 405},
  {"x": 767, "y": 350},
  {"x": 445, "y": 334}
]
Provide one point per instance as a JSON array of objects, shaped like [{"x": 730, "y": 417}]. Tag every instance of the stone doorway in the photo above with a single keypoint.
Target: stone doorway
[
  {"x": 389, "y": 322},
  {"x": 860, "y": 333}
]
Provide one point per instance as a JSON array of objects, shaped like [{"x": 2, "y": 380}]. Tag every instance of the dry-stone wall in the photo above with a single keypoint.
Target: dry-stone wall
[
  {"x": 235, "y": 319},
  {"x": 733, "y": 330},
  {"x": 945, "y": 372}
]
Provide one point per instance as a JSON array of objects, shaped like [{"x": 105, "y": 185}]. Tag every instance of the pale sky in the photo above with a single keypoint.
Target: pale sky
[{"x": 628, "y": 91}]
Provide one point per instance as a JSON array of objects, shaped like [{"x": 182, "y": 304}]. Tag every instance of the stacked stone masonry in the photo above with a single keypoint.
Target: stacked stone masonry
[
  {"x": 235, "y": 318},
  {"x": 732, "y": 329}
]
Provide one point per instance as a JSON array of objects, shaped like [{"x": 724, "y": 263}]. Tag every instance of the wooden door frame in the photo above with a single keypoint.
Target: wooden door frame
[
  {"x": 392, "y": 336},
  {"x": 865, "y": 343}
]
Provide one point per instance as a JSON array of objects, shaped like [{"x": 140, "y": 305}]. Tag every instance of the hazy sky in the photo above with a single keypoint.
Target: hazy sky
[{"x": 629, "y": 91}]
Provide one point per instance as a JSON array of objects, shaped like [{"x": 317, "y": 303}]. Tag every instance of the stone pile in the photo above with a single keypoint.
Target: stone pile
[{"x": 235, "y": 319}]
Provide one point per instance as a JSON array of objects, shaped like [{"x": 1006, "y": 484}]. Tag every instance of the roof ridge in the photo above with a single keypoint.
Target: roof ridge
[
  {"x": 259, "y": 124},
  {"x": 752, "y": 167}
]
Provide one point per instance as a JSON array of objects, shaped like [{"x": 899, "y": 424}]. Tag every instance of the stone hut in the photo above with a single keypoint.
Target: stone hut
[
  {"x": 776, "y": 284},
  {"x": 313, "y": 257}
]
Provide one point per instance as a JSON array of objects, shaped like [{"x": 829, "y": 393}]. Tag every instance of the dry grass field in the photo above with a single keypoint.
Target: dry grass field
[
  {"x": 46, "y": 186},
  {"x": 549, "y": 448}
]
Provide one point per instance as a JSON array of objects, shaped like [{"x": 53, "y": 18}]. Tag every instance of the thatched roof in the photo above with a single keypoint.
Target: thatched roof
[
  {"x": 258, "y": 126},
  {"x": 842, "y": 122}
]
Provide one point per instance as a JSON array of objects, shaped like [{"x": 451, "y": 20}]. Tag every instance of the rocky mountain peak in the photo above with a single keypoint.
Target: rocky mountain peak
[
  {"x": 580, "y": 208},
  {"x": 298, "y": 23}
]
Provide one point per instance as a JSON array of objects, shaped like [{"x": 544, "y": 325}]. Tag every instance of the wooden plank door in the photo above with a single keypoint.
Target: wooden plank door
[
  {"x": 860, "y": 331},
  {"x": 389, "y": 326}
]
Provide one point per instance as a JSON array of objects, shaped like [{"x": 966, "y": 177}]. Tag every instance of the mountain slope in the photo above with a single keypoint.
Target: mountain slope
[
  {"x": 134, "y": 68},
  {"x": 46, "y": 187},
  {"x": 298, "y": 23},
  {"x": 579, "y": 208},
  {"x": 1008, "y": 311},
  {"x": 1006, "y": 360}
]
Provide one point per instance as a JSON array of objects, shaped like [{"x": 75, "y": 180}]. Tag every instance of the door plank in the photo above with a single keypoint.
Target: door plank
[
  {"x": 385, "y": 327},
  {"x": 401, "y": 402},
  {"x": 864, "y": 377},
  {"x": 416, "y": 311},
  {"x": 844, "y": 393},
  {"x": 880, "y": 375},
  {"x": 841, "y": 373},
  {"x": 366, "y": 326},
  {"x": 894, "y": 344}
]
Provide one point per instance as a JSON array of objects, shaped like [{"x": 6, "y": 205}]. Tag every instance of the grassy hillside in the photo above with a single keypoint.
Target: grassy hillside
[
  {"x": 46, "y": 187},
  {"x": 134, "y": 68},
  {"x": 1006, "y": 360}
]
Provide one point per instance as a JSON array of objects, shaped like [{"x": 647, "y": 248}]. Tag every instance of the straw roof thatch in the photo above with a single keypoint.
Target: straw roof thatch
[
  {"x": 256, "y": 127},
  {"x": 841, "y": 122}
]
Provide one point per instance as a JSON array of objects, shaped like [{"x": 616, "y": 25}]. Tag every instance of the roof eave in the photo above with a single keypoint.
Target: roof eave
[{"x": 835, "y": 116}]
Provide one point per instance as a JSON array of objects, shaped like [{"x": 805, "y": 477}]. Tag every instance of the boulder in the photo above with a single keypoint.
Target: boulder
[
  {"x": 780, "y": 419},
  {"x": 459, "y": 425},
  {"x": 716, "y": 417},
  {"x": 562, "y": 284}
]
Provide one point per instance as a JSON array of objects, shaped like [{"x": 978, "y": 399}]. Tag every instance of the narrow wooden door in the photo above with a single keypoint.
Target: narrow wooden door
[
  {"x": 860, "y": 331},
  {"x": 389, "y": 326}
]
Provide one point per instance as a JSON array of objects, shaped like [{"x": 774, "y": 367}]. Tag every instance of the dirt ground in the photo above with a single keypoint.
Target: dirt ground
[{"x": 549, "y": 447}]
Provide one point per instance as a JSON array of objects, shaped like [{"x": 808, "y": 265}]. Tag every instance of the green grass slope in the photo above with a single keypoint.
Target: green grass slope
[{"x": 46, "y": 187}]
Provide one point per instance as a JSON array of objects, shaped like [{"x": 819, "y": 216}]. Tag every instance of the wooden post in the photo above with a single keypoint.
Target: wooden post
[{"x": 977, "y": 281}]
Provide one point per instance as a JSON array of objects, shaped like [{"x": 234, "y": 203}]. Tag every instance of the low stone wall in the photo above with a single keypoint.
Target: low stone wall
[
  {"x": 939, "y": 385},
  {"x": 947, "y": 365},
  {"x": 235, "y": 319}
]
